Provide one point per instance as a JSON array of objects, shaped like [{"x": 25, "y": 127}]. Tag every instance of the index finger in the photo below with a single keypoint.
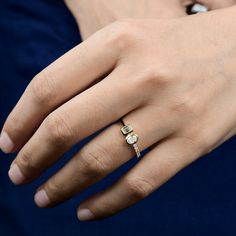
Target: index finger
[{"x": 62, "y": 80}]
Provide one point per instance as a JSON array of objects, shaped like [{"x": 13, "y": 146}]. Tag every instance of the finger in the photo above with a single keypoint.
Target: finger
[
  {"x": 101, "y": 156},
  {"x": 85, "y": 114},
  {"x": 66, "y": 77},
  {"x": 158, "y": 166}
]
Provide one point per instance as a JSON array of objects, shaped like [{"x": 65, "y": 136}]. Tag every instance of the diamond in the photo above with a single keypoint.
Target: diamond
[
  {"x": 126, "y": 129},
  {"x": 132, "y": 138}
]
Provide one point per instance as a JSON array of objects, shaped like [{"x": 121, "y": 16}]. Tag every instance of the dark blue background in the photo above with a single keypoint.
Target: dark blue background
[{"x": 201, "y": 200}]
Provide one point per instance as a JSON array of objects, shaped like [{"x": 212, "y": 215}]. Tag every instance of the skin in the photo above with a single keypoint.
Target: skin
[
  {"x": 93, "y": 15},
  {"x": 123, "y": 71},
  {"x": 217, "y": 4}
]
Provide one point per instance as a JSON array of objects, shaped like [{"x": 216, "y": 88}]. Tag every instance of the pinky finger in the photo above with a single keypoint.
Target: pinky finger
[{"x": 157, "y": 167}]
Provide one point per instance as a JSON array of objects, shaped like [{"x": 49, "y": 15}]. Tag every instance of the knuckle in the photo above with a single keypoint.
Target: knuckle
[
  {"x": 59, "y": 132},
  {"x": 27, "y": 163},
  {"x": 14, "y": 124},
  {"x": 121, "y": 34},
  {"x": 106, "y": 208},
  {"x": 139, "y": 187},
  {"x": 152, "y": 77},
  {"x": 184, "y": 104},
  {"x": 42, "y": 88},
  {"x": 93, "y": 161},
  {"x": 155, "y": 77},
  {"x": 55, "y": 190}
]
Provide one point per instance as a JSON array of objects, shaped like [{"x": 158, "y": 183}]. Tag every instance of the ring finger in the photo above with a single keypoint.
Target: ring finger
[{"x": 101, "y": 156}]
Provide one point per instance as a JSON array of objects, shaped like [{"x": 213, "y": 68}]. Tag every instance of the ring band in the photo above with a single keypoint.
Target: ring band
[{"x": 131, "y": 137}]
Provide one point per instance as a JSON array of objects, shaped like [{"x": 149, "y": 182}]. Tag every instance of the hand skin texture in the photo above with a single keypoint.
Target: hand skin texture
[
  {"x": 93, "y": 15},
  {"x": 174, "y": 80}
]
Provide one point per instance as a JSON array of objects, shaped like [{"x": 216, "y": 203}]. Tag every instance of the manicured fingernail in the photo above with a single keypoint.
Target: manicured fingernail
[
  {"x": 16, "y": 175},
  {"x": 6, "y": 143},
  {"x": 41, "y": 199},
  {"x": 85, "y": 214}
]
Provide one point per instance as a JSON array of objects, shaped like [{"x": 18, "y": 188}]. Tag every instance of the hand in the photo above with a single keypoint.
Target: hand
[
  {"x": 95, "y": 14},
  {"x": 217, "y": 4},
  {"x": 173, "y": 80}
]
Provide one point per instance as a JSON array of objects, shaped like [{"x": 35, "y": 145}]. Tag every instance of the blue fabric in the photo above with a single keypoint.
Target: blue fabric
[{"x": 198, "y": 201}]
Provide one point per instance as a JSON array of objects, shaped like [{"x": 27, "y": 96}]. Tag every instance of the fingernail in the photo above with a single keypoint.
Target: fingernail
[
  {"x": 6, "y": 143},
  {"x": 85, "y": 214},
  {"x": 16, "y": 175},
  {"x": 41, "y": 199}
]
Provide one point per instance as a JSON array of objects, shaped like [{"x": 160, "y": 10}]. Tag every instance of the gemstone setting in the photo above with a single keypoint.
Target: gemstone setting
[
  {"x": 132, "y": 138},
  {"x": 126, "y": 129}
]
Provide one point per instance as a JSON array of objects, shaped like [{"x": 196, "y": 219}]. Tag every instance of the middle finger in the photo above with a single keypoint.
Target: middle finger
[{"x": 72, "y": 122}]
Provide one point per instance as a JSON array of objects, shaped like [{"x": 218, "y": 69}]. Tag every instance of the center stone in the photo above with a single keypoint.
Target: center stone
[{"x": 132, "y": 139}]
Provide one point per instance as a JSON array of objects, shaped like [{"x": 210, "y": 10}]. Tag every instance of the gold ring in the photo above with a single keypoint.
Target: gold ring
[{"x": 131, "y": 137}]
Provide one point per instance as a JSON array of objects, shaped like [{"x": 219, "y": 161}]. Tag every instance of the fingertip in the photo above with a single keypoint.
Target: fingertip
[
  {"x": 6, "y": 143},
  {"x": 84, "y": 214},
  {"x": 41, "y": 199},
  {"x": 16, "y": 175}
]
